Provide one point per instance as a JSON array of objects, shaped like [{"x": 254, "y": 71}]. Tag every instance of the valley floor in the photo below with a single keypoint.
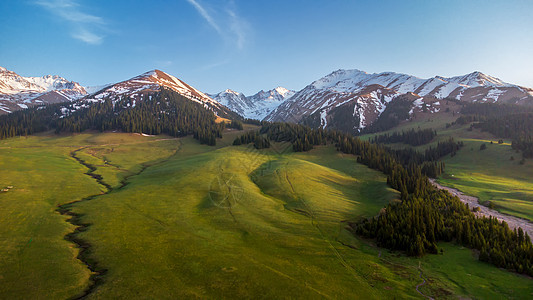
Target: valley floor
[{"x": 170, "y": 218}]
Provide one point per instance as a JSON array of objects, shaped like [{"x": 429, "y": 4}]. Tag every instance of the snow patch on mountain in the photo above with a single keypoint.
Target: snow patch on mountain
[
  {"x": 372, "y": 92},
  {"x": 17, "y": 92},
  {"x": 257, "y": 106}
]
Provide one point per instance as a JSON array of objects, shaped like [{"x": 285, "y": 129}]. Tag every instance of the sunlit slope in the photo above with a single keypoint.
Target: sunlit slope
[
  {"x": 494, "y": 174},
  {"x": 200, "y": 226}
]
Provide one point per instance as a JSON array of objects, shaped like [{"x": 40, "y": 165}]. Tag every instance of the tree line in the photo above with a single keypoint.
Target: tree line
[
  {"x": 254, "y": 137},
  {"x": 411, "y": 137},
  {"x": 504, "y": 121}
]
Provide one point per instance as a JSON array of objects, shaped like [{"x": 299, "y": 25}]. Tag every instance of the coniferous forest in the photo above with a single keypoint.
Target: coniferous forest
[
  {"x": 411, "y": 137},
  {"x": 165, "y": 112},
  {"x": 504, "y": 121}
]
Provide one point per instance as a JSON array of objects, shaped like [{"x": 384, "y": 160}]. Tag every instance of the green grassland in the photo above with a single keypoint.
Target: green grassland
[
  {"x": 195, "y": 221},
  {"x": 490, "y": 175},
  {"x": 35, "y": 259}
]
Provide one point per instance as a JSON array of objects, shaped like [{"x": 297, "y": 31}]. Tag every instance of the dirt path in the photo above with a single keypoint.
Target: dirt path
[
  {"x": 512, "y": 221},
  {"x": 422, "y": 284}
]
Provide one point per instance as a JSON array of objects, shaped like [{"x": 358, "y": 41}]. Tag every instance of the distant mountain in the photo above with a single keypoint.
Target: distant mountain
[
  {"x": 148, "y": 82},
  {"x": 17, "y": 92},
  {"x": 152, "y": 103},
  {"x": 257, "y": 106},
  {"x": 357, "y": 98}
]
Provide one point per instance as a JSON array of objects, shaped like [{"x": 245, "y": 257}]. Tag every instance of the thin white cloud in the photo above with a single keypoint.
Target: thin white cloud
[
  {"x": 201, "y": 10},
  {"x": 84, "y": 26},
  {"x": 87, "y": 37},
  {"x": 238, "y": 28},
  {"x": 235, "y": 28}
]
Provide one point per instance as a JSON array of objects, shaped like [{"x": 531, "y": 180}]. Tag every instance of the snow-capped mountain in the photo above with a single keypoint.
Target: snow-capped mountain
[
  {"x": 17, "y": 92},
  {"x": 235, "y": 101},
  {"x": 152, "y": 81},
  {"x": 257, "y": 106},
  {"x": 367, "y": 95}
]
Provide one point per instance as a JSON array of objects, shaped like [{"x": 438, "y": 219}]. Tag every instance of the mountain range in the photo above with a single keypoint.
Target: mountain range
[
  {"x": 17, "y": 92},
  {"x": 367, "y": 95},
  {"x": 350, "y": 100},
  {"x": 257, "y": 106}
]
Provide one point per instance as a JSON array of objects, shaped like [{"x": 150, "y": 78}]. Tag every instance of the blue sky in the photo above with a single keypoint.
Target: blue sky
[{"x": 248, "y": 45}]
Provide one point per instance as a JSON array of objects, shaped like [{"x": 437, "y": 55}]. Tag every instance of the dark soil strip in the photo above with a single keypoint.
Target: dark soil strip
[{"x": 75, "y": 219}]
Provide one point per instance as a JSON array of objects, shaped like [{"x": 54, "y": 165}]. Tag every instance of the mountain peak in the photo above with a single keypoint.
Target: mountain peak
[
  {"x": 476, "y": 79},
  {"x": 18, "y": 92},
  {"x": 338, "y": 76},
  {"x": 256, "y": 106},
  {"x": 281, "y": 90},
  {"x": 154, "y": 80},
  {"x": 229, "y": 91}
]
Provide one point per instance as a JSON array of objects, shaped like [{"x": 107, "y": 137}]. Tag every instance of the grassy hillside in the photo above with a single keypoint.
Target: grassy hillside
[
  {"x": 200, "y": 224},
  {"x": 491, "y": 175},
  {"x": 210, "y": 222}
]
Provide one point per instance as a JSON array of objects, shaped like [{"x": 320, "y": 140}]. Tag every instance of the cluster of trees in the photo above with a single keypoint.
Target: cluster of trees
[
  {"x": 252, "y": 122},
  {"x": 429, "y": 159},
  {"x": 302, "y": 137},
  {"x": 254, "y": 137},
  {"x": 411, "y": 137},
  {"x": 29, "y": 121},
  {"x": 418, "y": 223},
  {"x": 235, "y": 124},
  {"x": 525, "y": 144},
  {"x": 518, "y": 127},
  {"x": 505, "y": 121},
  {"x": 492, "y": 109},
  {"x": 153, "y": 113},
  {"x": 164, "y": 112}
]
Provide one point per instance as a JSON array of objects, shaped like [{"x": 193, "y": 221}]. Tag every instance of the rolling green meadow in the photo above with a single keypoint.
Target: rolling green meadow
[
  {"x": 170, "y": 218},
  {"x": 494, "y": 175}
]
